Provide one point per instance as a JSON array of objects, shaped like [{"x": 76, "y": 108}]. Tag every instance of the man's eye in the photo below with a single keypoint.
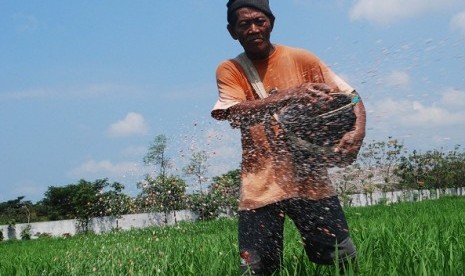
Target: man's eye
[
  {"x": 260, "y": 21},
  {"x": 243, "y": 24}
]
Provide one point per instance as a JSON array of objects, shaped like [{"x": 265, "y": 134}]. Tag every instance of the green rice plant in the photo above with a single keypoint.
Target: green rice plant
[
  {"x": 422, "y": 238},
  {"x": 185, "y": 249}
]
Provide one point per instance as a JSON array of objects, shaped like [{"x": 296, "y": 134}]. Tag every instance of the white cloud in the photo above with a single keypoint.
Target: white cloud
[
  {"x": 126, "y": 173},
  {"x": 87, "y": 91},
  {"x": 431, "y": 116},
  {"x": 106, "y": 168},
  {"x": 458, "y": 22},
  {"x": 385, "y": 12},
  {"x": 453, "y": 98},
  {"x": 415, "y": 114},
  {"x": 26, "y": 22},
  {"x": 398, "y": 79},
  {"x": 28, "y": 94},
  {"x": 133, "y": 123},
  {"x": 135, "y": 151}
]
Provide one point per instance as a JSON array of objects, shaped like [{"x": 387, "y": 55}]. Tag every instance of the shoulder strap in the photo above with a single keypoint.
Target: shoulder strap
[{"x": 252, "y": 75}]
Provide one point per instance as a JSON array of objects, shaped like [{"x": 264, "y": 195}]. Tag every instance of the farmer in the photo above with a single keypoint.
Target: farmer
[{"x": 272, "y": 187}]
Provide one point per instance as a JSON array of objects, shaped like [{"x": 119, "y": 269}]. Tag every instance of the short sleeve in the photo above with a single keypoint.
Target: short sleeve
[
  {"x": 334, "y": 80},
  {"x": 232, "y": 88}
]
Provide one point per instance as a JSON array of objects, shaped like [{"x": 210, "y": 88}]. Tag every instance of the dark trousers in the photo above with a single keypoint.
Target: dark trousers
[{"x": 322, "y": 226}]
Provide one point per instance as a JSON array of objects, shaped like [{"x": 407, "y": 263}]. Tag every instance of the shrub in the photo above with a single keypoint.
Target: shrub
[
  {"x": 206, "y": 206},
  {"x": 11, "y": 229},
  {"x": 43, "y": 235},
  {"x": 26, "y": 233}
]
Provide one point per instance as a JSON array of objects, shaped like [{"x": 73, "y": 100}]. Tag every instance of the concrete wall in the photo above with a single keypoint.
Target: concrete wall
[
  {"x": 398, "y": 196},
  {"x": 106, "y": 224},
  {"x": 97, "y": 225}
]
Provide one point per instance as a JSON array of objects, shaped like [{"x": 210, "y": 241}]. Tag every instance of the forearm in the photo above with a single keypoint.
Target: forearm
[
  {"x": 360, "y": 123},
  {"x": 351, "y": 142},
  {"x": 256, "y": 110}
]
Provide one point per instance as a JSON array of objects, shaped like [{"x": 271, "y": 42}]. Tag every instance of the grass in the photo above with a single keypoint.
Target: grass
[{"x": 423, "y": 238}]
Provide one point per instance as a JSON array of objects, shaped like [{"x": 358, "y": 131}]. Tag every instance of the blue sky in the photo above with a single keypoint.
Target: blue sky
[{"x": 85, "y": 86}]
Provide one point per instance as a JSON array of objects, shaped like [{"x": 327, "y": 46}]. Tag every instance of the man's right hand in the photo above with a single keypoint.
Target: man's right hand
[
  {"x": 318, "y": 91},
  {"x": 307, "y": 93}
]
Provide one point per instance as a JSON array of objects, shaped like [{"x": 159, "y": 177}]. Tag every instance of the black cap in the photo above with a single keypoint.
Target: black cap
[{"x": 261, "y": 5}]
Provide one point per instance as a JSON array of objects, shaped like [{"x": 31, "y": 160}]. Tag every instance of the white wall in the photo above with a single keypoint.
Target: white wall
[
  {"x": 399, "y": 196},
  {"x": 127, "y": 222},
  {"x": 98, "y": 225}
]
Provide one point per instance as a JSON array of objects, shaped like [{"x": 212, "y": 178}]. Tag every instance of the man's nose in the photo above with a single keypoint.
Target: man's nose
[{"x": 253, "y": 28}]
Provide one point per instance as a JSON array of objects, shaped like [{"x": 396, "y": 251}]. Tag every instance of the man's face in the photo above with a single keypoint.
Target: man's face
[{"x": 253, "y": 29}]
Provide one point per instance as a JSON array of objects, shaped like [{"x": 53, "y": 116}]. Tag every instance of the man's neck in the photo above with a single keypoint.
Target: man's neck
[{"x": 264, "y": 55}]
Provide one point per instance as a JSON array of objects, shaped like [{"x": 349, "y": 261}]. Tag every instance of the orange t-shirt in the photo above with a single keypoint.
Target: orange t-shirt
[{"x": 268, "y": 172}]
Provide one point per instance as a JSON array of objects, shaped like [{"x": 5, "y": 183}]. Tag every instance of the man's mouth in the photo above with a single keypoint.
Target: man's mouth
[{"x": 254, "y": 38}]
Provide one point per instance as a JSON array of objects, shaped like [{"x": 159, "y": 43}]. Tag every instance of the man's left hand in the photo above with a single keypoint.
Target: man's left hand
[{"x": 349, "y": 146}]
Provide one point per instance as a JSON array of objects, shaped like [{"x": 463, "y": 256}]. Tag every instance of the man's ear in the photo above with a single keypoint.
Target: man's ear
[{"x": 232, "y": 32}]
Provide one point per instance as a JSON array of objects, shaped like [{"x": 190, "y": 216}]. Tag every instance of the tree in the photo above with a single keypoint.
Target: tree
[
  {"x": 229, "y": 185},
  {"x": 58, "y": 202},
  {"x": 18, "y": 210},
  {"x": 197, "y": 168},
  {"x": 86, "y": 200},
  {"x": 456, "y": 168},
  {"x": 433, "y": 169},
  {"x": 378, "y": 160},
  {"x": 86, "y": 203},
  {"x": 157, "y": 155},
  {"x": 223, "y": 195},
  {"x": 115, "y": 202},
  {"x": 412, "y": 171},
  {"x": 345, "y": 182},
  {"x": 206, "y": 205},
  {"x": 162, "y": 194},
  {"x": 446, "y": 169}
]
